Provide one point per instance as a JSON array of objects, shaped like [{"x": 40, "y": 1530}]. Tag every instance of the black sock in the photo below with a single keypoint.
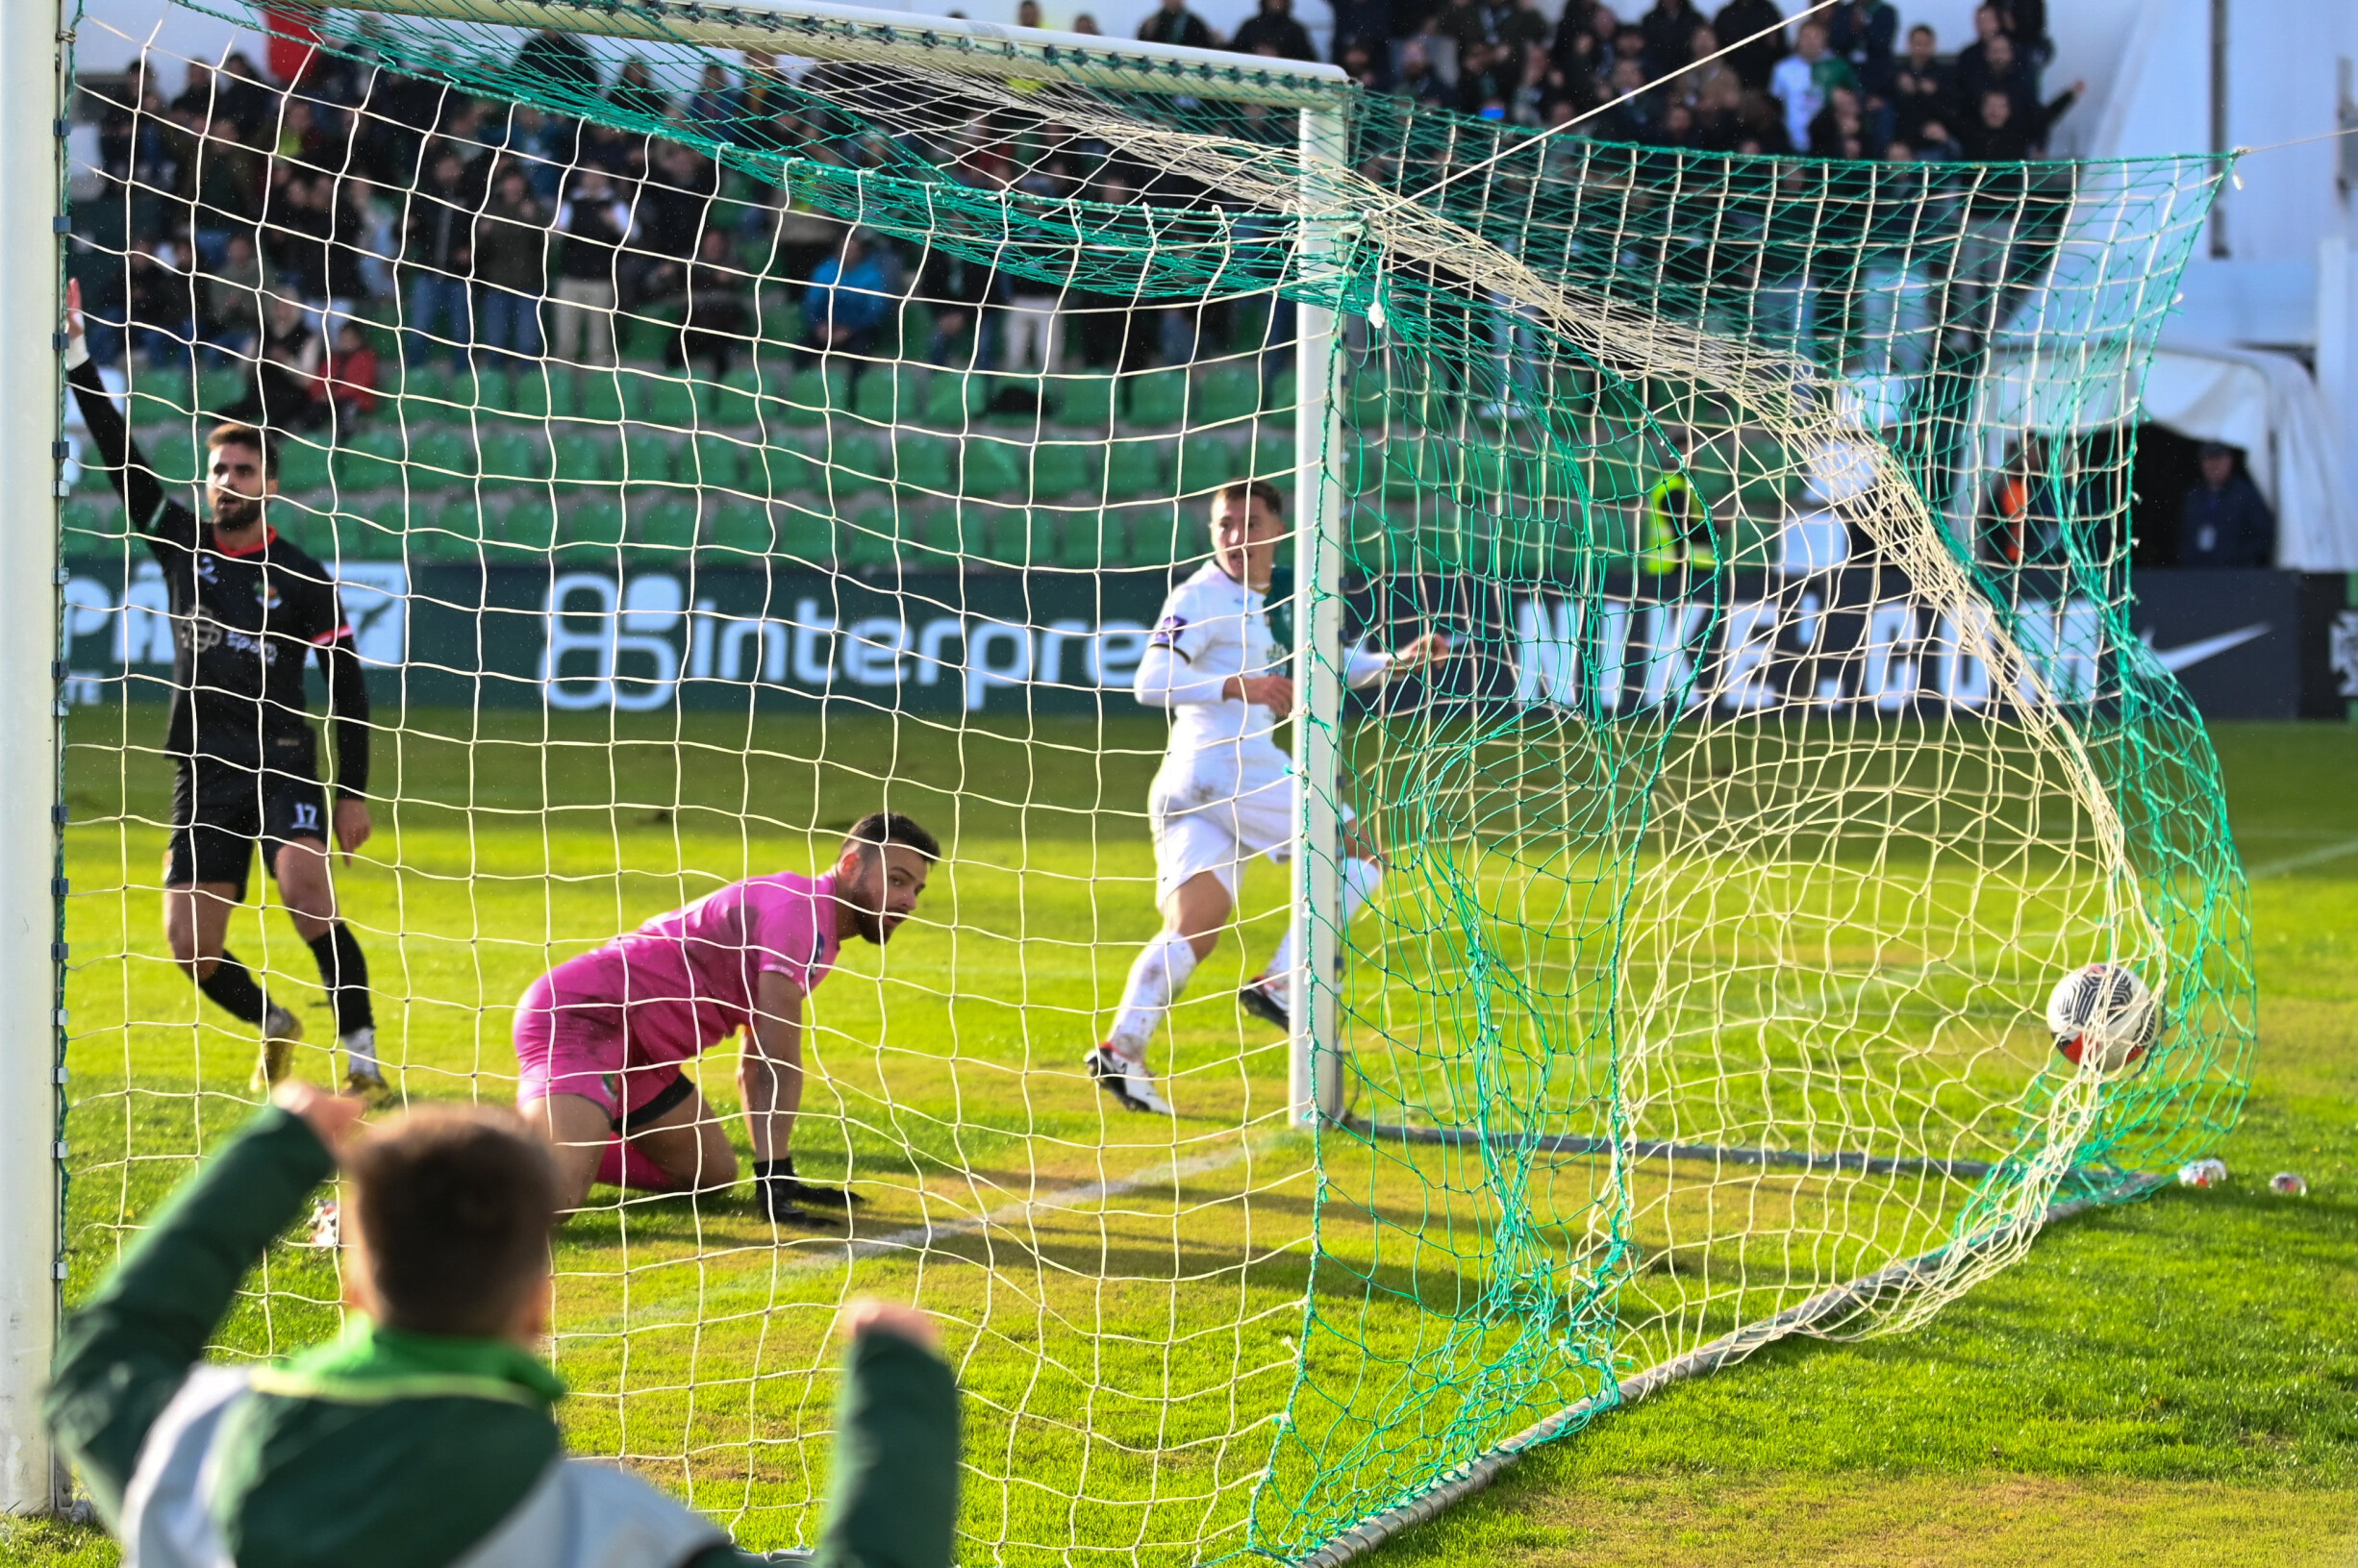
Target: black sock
[
  {"x": 344, "y": 972},
  {"x": 233, "y": 989}
]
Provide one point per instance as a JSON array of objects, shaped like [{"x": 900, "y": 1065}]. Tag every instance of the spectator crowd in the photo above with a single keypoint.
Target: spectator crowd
[{"x": 267, "y": 223}]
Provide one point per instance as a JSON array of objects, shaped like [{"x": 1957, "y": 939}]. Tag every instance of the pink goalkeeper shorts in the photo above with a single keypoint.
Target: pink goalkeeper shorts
[{"x": 571, "y": 1040}]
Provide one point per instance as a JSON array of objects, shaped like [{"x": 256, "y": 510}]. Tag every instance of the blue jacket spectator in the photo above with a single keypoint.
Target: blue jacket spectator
[
  {"x": 2225, "y": 522},
  {"x": 847, "y": 300}
]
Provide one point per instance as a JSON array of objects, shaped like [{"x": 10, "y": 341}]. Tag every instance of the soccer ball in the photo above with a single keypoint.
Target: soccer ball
[{"x": 2103, "y": 1017}]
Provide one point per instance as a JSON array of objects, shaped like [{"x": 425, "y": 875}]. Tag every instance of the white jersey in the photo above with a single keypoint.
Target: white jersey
[
  {"x": 1222, "y": 794},
  {"x": 1213, "y": 627}
]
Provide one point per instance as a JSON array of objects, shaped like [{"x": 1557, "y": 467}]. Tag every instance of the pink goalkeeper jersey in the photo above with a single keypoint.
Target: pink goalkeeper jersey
[{"x": 687, "y": 979}]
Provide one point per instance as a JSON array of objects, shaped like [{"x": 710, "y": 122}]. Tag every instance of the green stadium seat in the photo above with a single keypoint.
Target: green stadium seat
[
  {"x": 175, "y": 457},
  {"x": 1022, "y": 536},
  {"x": 924, "y": 463},
  {"x": 1207, "y": 462},
  {"x": 493, "y": 389},
  {"x": 217, "y": 389},
  {"x": 890, "y": 396},
  {"x": 302, "y": 466},
  {"x": 811, "y": 392},
  {"x": 427, "y": 383},
  {"x": 161, "y": 391},
  {"x": 858, "y": 464},
  {"x": 1273, "y": 459},
  {"x": 646, "y": 458},
  {"x": 743, "y": 527},
  {"x": 667, "y": 529},
  {"x": 1154, "y": 536},
  {"x": 440, "y": 457},
  {"x": 712, "y": 462},
  {"x": 530, "y": 528},
  {"x": 1226, "y": 393},
  {"x": 776, "y": 469},
  {"x": 591, "y": 533},
  {"x": 958, "y": 535},
  {"x": 370, "y": 460},
  {"x": 1414, "y": 468},
  {"x": 86, "y": 523},
  {"x": 669, "y": 401},
  {"x": 737, "y": 400},
  {"x": 1134, "y": 468},
  {"x": 598, "y": 396},
  {"x": 806, "y": 535},
  {"x": 1159, "y": 397},
  {"x": 454, "y": 532},
  {"x": 1284, "y": 393},
  {"x": 391, "y": 516},
  {"x": 581, "y": 457},
  {"x": 546, "y": 392},
  {"x": 1087, "y": 540},
  {"x": 510, "y": 457},
  {"x": 995, "y": 468},
  {"x": 870, "y": 541},
  {"x": 1085, "y": 401},
  {"x": 1066, "y": 468},
  {"x": 348, "y": 536},
  {"x": 951, "y": 397},
  {"x": 1366, "y": 404}
]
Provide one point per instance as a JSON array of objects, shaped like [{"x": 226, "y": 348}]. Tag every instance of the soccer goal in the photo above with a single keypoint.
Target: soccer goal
[{"x": 719, "y": 423}]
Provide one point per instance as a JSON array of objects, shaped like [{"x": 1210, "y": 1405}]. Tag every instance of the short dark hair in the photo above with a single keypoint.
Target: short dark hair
[
  {"x": 456, "y": 1204},
  {"x": 1250, "y": 490},
  {"x": 236, "y": 434},
  {"x": 878, "y": 829}
]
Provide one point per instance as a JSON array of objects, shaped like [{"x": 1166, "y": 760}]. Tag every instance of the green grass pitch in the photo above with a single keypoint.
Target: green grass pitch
[{"x": 2169, "y": 1382}]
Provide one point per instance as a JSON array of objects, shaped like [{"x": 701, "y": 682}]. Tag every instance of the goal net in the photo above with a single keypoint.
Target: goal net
[{"x": 724, "y": 422}]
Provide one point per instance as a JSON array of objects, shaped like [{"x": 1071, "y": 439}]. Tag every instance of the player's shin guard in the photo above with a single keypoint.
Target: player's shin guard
[
  {"x": 1156, "y": 980},
  {"x": 344, "y": 971},
  {"x": 233, "y": 989}
]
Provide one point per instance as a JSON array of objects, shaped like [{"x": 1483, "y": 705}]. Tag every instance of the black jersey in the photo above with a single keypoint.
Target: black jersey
[{"x": 244, "y": 623}]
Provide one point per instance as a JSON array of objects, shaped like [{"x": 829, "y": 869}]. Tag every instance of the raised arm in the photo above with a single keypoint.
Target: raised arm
[
  {"x": 893, "y": 1502},
  {"x": 144, "y": 495},
  {"x": 124, "y": 1354}
]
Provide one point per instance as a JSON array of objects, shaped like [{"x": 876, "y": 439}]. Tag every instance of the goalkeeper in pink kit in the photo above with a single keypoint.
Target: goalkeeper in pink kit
[{"x": 600, "y": 1040}]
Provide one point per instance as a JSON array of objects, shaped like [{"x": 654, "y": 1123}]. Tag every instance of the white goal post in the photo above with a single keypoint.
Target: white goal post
[{"x": 32, "y": 116}]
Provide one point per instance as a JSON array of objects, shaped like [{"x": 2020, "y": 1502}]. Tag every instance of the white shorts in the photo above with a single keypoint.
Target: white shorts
[{"x": 1209, "y": 813}]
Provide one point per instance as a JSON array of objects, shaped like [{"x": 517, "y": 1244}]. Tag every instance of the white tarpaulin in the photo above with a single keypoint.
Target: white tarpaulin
[{"x": 2264, "y": 402}]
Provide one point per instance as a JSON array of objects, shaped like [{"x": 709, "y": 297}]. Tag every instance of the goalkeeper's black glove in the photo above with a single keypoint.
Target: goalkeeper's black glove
[{"x": 780, "y": 1190}]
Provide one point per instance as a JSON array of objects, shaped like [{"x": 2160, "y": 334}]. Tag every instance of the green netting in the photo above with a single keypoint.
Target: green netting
[{"x": 1795, "y": 745}]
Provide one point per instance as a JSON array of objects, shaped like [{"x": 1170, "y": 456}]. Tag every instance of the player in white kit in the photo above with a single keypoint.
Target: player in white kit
[{"x": 1225, "y": 792}]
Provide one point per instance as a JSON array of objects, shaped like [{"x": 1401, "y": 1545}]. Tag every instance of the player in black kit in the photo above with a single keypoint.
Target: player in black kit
[{"x": 248, "y": 608}]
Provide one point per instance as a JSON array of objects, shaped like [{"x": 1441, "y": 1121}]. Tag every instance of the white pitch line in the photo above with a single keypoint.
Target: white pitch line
[
  {"x": 2302, "y": 862},
  {"x": 1168, "y": 1173}
]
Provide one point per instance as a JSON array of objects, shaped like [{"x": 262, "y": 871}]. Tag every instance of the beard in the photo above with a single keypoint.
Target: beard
[
  {"x": 230, "y": 512},
  {"x": 867, "y": 918}
]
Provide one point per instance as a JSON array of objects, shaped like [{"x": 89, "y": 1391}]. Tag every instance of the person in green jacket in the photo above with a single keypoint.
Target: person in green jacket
[{"x": 424, "y": 1437}]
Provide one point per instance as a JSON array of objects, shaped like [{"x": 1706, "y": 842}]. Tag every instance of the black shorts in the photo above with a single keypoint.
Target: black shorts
[
  {"x": 220, "y": 813},
  {"x": 634, "y": 1118}
]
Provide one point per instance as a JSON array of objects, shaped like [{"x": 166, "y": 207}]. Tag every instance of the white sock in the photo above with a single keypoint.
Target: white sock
[
  {"x": 361, "y": 1051},
  {"x": 1361, "y": 881},
  {"x": 1156, "y": 980}
]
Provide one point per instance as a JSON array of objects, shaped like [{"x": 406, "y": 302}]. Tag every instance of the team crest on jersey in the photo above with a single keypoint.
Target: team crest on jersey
[{"x": 1167, "y": 632}]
